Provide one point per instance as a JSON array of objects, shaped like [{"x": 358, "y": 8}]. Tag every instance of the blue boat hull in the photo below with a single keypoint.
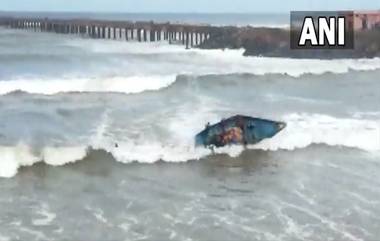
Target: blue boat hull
[{"x": 238, "y": 130}]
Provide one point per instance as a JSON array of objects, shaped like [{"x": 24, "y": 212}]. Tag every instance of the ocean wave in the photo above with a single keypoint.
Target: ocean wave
[
  {"x": 140, "y": 83},
  {"x": 127, "y": 85},
  {"x": 302, "y": 131}
]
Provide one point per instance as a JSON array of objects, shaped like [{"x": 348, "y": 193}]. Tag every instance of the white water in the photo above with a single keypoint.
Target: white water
[
  {"x": 164, "y": 113},
  {"x": 112, "y": 66},
  {"x": 302, "y": 131},
  {"x": 315, "y": 180}
]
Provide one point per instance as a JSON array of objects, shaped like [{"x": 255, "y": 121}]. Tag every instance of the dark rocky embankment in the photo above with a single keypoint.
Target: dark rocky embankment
[{"x": 274, "y": 42}]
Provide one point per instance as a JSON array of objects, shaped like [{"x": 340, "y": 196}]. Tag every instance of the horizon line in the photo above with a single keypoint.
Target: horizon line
[{"x": 171, "y": 12}]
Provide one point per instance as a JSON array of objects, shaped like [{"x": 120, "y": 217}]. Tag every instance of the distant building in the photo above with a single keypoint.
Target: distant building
[{"x": 364, "y": 20}]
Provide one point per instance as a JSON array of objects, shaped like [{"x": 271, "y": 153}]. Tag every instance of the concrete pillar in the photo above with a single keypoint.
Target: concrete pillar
[
  {"x": 92, "y": 31},
  {"x": 187, "y": 40},
  {"x": 126, "y": 34},
  {"x": 152, "y": 35},
  {"x": 139, "y": 35},
  {"x": 145, "y": 35},
  {"x": 109, "y": 32}
]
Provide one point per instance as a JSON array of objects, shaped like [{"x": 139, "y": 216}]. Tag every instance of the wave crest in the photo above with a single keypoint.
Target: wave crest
[{"x": 302, "y": 131}]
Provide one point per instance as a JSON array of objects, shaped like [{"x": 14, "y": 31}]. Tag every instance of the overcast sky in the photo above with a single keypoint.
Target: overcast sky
[{"x": 186, "y": 6}]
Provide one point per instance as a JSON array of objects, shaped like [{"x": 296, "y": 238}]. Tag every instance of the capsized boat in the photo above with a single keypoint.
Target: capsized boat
[{"x": 238, "y": 130}]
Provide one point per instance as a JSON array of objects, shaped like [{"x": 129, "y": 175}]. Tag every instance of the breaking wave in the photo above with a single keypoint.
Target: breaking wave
[
  {"x": 213, "y": 62},
  {"x": 303, "y": 130},
  {"x": 128, "y": 85},
  {"x": 167, "y": 96}
]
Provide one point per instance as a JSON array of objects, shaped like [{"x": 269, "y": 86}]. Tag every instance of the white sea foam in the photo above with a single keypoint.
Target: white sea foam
[
  {"x": 14, "y": 157},
  {"x": 155, "y": 68},
  {"x": 58, "y": 156},
  {"x": 134, "y": 84},
  {"x": 21, "y": 155},
  {"x": 157, "y": 65},
  {"x": 46, "y": 217},
  {"x": 302, "y": 131}
]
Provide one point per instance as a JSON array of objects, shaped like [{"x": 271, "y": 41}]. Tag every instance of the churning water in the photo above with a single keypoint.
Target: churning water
[{"x": 65, "y": 102}]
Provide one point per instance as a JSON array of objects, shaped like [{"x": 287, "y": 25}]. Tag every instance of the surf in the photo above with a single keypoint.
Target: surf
[{"x": 302, "y": 132}]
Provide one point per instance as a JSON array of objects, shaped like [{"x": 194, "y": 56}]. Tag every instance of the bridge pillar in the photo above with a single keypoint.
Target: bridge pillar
[
  {"x": 145, "y": 35},
  {"x": 91, "y": 31},
  {"x": 139, "y": 35},
  {"x": 187, "y": 40},
  {"x": 152, "y": 35}
]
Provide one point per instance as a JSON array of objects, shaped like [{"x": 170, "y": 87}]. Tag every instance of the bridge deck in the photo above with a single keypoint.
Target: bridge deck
[{"x": 186, "y": 34}]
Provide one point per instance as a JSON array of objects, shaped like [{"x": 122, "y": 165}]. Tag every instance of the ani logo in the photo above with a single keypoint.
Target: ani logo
[{"x": 322, "y": 30}]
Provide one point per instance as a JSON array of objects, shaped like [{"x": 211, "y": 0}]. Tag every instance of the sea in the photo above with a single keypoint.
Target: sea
[{"x": 97, "y": 141}]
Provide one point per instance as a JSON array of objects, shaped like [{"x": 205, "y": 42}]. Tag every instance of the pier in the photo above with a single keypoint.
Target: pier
[{"x": 185, "y": 34}]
